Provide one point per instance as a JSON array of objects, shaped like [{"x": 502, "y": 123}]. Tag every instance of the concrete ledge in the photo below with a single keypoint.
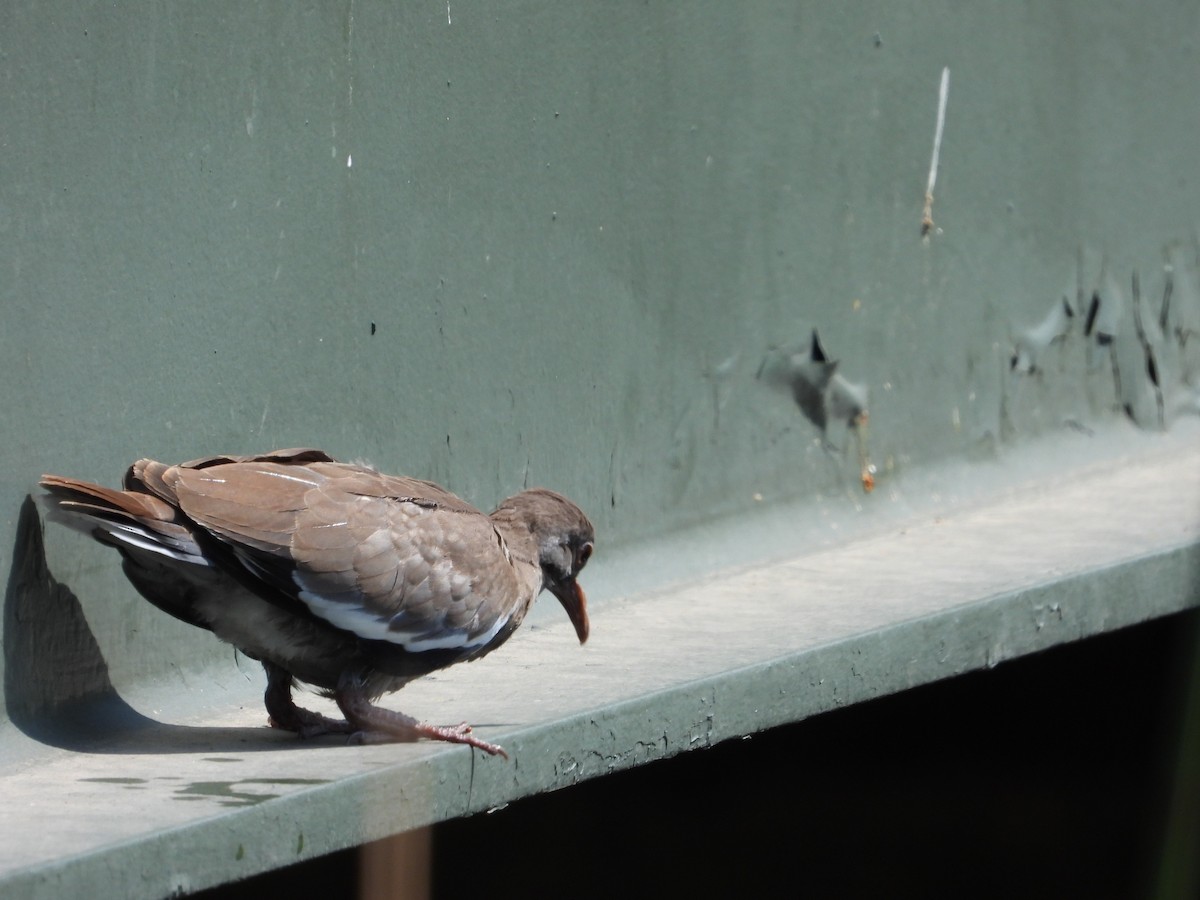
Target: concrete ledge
[{"x": 135, "y": 799}]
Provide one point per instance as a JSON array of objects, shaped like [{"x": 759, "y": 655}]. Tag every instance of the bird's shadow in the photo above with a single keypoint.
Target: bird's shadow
[{"x": 57, "y": 688}]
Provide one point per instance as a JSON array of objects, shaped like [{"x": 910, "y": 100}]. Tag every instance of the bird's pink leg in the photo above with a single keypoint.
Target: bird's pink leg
[
  {"x": 381, "y": 726},
  {"x": 285, "y": 714}
]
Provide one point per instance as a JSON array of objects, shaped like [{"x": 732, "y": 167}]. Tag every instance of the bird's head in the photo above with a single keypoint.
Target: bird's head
[{"x": 565, "y": 540}]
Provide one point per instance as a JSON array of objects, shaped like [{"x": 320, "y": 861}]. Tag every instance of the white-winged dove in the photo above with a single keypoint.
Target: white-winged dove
[{"x": 335, "y": 574}]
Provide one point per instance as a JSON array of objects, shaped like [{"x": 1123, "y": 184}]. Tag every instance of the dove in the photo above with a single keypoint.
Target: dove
[{"x": 335, "y": 574}]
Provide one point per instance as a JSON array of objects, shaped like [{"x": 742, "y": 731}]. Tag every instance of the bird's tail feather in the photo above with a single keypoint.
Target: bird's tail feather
[{"x": 121, "y": 518}]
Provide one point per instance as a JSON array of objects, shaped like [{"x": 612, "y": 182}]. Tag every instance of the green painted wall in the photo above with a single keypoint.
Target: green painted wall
[{"x": 530, "y": 242}]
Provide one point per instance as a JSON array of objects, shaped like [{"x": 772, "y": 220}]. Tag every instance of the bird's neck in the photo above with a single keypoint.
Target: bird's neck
[{"x": 520, "y": 544}]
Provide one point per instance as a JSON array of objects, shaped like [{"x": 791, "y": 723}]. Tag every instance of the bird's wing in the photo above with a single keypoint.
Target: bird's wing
[{"x": 386, "y": 558}]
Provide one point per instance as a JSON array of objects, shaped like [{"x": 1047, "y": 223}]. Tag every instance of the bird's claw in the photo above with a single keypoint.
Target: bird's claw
[{"x": 455, "y": 734}]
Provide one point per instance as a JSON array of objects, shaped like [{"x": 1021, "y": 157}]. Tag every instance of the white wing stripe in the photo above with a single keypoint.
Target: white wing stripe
[
  {"x": 367, "y": 625},
  {"x": 455, "y": 639}
]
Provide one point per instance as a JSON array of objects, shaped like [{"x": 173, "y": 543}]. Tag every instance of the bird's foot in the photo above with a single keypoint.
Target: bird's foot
[
  {"x": 308, "y": 724},
  {"x": 382, "y": 726},
  {"x": 283, "y": 713},
  {"x": 455, "y": 734},
  {"x": 459, "y": 733}
]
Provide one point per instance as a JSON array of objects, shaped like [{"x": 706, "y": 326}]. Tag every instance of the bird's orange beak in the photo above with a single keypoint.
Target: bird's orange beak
[{"x": 574, "y": 601}]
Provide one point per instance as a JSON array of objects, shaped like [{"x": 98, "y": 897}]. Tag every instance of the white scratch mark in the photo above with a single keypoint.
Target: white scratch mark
[
  {"x": 448, "y": 22},
  {"x": 943, "y": 93},
  {"x": 349, "y": 81}
]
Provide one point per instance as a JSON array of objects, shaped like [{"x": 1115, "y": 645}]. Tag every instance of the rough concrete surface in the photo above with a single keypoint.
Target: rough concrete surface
[{"x": 199, "y": 791}]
